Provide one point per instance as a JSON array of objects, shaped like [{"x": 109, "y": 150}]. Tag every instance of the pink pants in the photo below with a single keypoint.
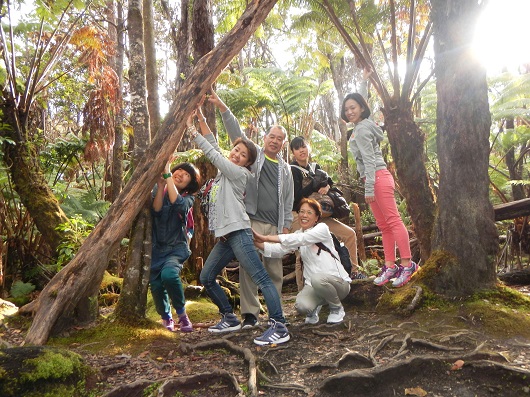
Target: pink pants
[{"x": 388, "y": 219}]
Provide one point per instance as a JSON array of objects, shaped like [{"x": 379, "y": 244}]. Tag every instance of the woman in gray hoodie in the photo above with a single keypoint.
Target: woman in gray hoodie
[
  {"x": 229, "y": 221},
  {"x": 379, "y": 190}
]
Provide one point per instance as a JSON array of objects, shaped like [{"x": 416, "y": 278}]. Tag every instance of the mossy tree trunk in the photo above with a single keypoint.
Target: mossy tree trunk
[
  {"x": 87, "y": 268},
  {"x": 464, "y": 231},
  {"x": 21, "y": 159}
]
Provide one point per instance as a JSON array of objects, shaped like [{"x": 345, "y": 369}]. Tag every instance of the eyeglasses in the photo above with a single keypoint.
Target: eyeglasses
[{"x": 303, "y": 212}]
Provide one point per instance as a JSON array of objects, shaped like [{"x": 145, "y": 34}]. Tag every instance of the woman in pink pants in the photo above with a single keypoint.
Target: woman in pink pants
[{"x": 379, "y": 190}]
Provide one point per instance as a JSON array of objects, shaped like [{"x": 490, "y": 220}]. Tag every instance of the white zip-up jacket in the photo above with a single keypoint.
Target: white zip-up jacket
[{"x": 305, "y": 241}]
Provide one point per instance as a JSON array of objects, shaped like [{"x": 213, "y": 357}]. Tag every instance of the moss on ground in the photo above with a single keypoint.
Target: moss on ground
[
  {"x": 500, "y": 312},
  {"x": 43, "y": 372},
  {"x": 116, "y": 337}
]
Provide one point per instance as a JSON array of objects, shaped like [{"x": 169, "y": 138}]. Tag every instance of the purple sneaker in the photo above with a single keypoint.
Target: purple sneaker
[
  {"x": 405, "y": 275},
  {"x": 185, "y": 323},
  {"x": 169, "y": 324},
  {"x": 386, "y": 274}
]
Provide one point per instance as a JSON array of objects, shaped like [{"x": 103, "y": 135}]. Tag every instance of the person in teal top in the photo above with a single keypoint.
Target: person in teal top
[{"x": 172, "y": 201}]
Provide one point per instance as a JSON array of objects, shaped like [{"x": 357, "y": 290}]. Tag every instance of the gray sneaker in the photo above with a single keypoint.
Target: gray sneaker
[
  {"x": 405, "y": 275},
  {"x": 386, "y": 274},
  {"x": 312, "y": 316},
  {"x": 229, "y": 322},
  {"x": 336, "y": 314}
]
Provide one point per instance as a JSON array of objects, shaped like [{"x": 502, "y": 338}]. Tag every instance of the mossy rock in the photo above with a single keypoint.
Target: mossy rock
[{"x": 42, "y": 371}]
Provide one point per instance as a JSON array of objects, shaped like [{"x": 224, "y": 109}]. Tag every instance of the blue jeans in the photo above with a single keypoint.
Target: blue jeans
[{"x": 240, "y": 245}]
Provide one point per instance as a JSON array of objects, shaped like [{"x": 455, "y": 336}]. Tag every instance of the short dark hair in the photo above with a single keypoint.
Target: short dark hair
[
  {"x": 281, "y": 128},
  {"x": 297, "y": 143},
  {"x": 360, "y": 100},
  {"x": 315, "y": 205},
  {"x": 251, "y": 146},
  {"x": 195, "y": 174}
]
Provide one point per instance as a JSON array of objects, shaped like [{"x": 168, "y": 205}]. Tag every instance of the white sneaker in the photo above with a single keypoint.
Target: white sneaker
[
  {"x": 312, "y": 316},
  {"x": 336, "y": 314}
]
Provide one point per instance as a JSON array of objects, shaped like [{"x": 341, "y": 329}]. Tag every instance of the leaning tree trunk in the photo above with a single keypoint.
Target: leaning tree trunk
[
  {"x": 465, "y": 238},
  {"x": 133, "y": 297},
  {"x": 407, "y": 144},
  {"x": 87, "y": 268}
]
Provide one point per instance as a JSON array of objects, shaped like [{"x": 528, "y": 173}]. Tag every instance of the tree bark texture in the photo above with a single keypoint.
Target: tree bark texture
[
  {"x": 407, "y": 144},
  {"x": 202, "y": 34},
  {"x": 87, "y": 268},
  {"x": 133, "y": 296},
  {"x": 33, "y": 189},
  {"x": 132, "y": 302},
  {"x": 117, "y": 150},
  {"x": 464, "y": 231},
  {"x": 515, "y": 167},
  {"x": 151, "y": 76}
]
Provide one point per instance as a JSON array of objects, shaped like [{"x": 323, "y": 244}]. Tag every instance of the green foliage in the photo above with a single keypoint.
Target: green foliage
[
  {"x": 367, "y": 218},
  {"x": 20, "y": 291},
  {"x": 370, "y": 267},
  {"x": 80, "y": 202},
  {"x": 76, "y": 231}
]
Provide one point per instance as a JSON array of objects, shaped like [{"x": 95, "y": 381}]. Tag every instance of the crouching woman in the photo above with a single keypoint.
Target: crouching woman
[{"x": 326, "y": 281}]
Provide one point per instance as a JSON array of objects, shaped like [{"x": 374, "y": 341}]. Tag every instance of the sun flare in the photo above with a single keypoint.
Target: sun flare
[{"x": 502, "y": 35}]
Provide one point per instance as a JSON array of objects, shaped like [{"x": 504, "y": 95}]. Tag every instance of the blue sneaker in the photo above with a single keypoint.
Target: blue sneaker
[
  {"x": 229, "y": 322},
  {"x": 405, "y": 275},
  {"x": 276, "y": 334},
  {"x": 386, "y": 274}
]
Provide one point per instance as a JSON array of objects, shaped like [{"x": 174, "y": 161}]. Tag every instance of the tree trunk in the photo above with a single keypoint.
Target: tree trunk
[
  {"x": 465, "y": 236},
  {"x": 33, "y": 189},
  {"x": 132, "y": 303},
  {"x": 117, "y": 150},
  {"x": 202, "y": 34},
  {"x": 515, "y": 168},
  {"x": 151, "y": 76},
  {"x": 407, "y": 144},
  {"x": 87, "y": 268}
]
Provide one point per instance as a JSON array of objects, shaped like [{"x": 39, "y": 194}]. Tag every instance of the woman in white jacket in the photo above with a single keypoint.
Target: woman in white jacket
[{"x": 326, "y": 281}]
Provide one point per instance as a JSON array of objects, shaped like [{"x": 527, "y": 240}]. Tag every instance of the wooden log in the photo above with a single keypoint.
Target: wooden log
[{"x": 512, "y": 210}]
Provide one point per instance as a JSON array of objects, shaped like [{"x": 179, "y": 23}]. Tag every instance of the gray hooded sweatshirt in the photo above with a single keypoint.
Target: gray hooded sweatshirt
[
  {"x": 364, "y": 145},
  {"x": 285, "y": 191}
]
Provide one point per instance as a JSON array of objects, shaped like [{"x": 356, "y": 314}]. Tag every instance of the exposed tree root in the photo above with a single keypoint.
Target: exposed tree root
[
  {"x": 130, "y": 390},
  {"x": 380, "y": 380},
  {"x": 173, "y": 385},
  {"x": 416, "y": 300},
  {"x": 349, "y": 357},
  {"x": 435, "y": 346},
  {"x": 226, "y": 344},
  {"x": 380, "y": 345},
  {"x": 286, "y": 386},
  {"x": 325, "y": 333}
]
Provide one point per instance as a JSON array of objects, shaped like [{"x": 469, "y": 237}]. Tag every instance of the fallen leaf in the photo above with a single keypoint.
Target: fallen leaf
[
  {"x": 415, "y": 391},
  {"x": 457, "y": 365}
]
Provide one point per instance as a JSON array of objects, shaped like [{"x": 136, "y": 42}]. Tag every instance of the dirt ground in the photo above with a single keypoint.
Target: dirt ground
[{"x": 425, "y": 354}]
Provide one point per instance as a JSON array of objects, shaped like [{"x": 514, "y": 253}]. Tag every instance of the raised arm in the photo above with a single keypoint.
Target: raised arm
[{"x": 229, "y": 120}]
